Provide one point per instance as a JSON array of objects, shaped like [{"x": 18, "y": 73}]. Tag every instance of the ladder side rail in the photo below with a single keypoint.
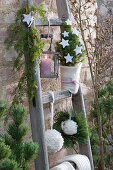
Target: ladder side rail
[
  {"x": 63, "y": 9},
  {"x": 38, "y": 126},
  {"x": 37, "y": 118},
  {"x": 77, "y": 100},
  {"x": 78, "y": 105}
]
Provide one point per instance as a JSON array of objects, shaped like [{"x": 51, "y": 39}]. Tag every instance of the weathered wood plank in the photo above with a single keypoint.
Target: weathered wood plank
[
  {"x": 78, "y": 105},
  {"x": 59, "y": 95},
  {"x": 63, "y": 9},
  {"x": 38, "y": 126},
  {"x": 53, "y": 22},
  {"x": 48, "y": 76},
  {"x": 37, "y": 119}
]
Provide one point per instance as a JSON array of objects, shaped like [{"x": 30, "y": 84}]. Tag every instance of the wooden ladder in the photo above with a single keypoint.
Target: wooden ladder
[{"x": 36, "y": 109}]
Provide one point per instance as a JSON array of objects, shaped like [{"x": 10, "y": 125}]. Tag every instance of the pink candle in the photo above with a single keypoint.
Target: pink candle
[{"x": 45, "y": 65}]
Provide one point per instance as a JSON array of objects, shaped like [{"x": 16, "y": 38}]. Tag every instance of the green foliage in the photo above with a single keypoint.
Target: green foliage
[
  {"x": 30, "y": 151},
  {"x": 3, "y": 107},
  {"x": 15, "y": 152},
  {"x": 73, "y": 41},
  {"x": 27, "y": 43},
  {"x": 17, "y": 132},
  {"x": 71, "y": 140},
  {"x": 8, "y": 164},
  {"x": 105, "y": 95},
  {"x": 18, "y": 114},
  {"x": 4, "y": 150}
]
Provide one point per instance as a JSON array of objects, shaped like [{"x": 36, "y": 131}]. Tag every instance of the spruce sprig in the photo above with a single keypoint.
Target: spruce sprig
[{"x": 27, "y": 43}]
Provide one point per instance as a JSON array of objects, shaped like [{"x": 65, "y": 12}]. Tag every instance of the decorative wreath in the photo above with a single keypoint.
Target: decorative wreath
[{"x": 70, "y": 140}]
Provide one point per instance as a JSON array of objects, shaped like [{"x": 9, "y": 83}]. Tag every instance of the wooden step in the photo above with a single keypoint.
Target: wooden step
[
  {"x": 59, "y": 95},
  {"x": 53, "y": 22}
]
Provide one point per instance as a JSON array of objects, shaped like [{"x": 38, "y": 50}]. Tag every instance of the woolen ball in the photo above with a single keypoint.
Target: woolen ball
[
  {"x": 54, "y": 140},
  {"x": 70, "y": 127}
]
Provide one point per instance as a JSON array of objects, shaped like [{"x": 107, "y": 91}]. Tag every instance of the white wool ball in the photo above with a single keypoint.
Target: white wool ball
[
  {"x": 54, "y": 140},
  {"x": 70, "y": 127}
]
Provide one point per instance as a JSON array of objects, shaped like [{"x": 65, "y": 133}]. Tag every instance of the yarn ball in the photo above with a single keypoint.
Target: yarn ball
[
  {"x": 70, "y": 127},
  {"x": 54, "y": 140}
]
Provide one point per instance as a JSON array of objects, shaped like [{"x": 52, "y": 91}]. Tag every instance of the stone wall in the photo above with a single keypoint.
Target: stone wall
[
  {"x": 7, "y": 74},
  {"x": 105, "y": 8}
]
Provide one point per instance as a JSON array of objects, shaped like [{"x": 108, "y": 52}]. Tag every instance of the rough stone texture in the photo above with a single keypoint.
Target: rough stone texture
[
  {"x": 105, "y": 8},
  {"x": 9, "y": 2},
  {"x": 7, "y": 12},
  {"x": 58, "y": 156},
  {"x": 10, "y": 54}
]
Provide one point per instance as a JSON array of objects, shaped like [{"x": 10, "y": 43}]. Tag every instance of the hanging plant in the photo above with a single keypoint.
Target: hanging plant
[
  {"x": 70, "y": 140},
  {"x": 26, "y": 41}
]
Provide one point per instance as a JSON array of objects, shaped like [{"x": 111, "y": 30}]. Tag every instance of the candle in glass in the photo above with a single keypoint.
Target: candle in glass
[{"x": 45, "y": 65}]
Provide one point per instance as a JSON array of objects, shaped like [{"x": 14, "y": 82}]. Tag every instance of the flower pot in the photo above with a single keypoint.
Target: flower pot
[{"x": 70, "y": 76}]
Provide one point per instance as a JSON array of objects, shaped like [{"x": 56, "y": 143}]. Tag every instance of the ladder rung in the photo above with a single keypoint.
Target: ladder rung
[
  {"x": 49, "y": 76},
  {"x": 53, "y": 22},
  {"x": 59, "y": 95}
]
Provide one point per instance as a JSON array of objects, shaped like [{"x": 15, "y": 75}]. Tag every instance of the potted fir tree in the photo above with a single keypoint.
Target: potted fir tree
[{"x": 71, "y": 57}]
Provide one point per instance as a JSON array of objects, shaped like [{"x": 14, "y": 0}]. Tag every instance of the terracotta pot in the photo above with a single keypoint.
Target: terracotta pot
[{"x": 70, "y": 76}]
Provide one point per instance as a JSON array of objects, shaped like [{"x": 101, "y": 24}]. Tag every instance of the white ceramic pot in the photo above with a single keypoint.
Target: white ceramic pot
[{"x": 70, "y": 76}]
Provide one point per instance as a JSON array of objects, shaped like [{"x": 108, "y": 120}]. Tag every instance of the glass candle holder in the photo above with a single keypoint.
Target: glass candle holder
[{"x": 46, "y": 65}]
